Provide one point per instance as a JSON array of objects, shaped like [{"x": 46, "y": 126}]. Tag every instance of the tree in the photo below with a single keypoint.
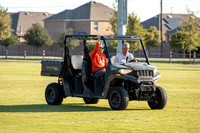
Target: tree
[
  {"x": 113, "y": 22},
  {"x": 70, "y": 43},
  {"x": 188, "y": 38},
  {"x": 135, "y": 28},
  {"x": 151, "y": 37},
  {"x": 12, "y": 40},
  {"x": 5, "y": 24},
  {"x": 178, "y": 41},
  {"x": 37, "y": 36}
]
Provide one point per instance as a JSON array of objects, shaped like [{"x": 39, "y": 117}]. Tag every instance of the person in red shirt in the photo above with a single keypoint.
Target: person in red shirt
[{"x": 99, "y": 61}]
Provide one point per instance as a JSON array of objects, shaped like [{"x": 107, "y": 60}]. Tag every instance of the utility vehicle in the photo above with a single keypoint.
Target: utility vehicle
[{"x": 123, "y": 82}]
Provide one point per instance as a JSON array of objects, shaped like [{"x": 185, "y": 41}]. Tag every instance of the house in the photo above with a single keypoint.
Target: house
[
  {"x": 90, "y": 18},
  {"x": 22, "y": 21},
  {"x": 170, "y": 25}
]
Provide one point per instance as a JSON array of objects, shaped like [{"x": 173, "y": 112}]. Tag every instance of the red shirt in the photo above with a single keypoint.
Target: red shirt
[{"x": 98, "y": 59}]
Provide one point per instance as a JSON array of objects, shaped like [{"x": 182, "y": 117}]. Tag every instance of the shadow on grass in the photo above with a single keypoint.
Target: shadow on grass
[{"x": 72, "y": 107}]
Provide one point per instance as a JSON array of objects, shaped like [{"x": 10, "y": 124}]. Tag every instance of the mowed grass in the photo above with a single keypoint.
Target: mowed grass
[{"x": 23, "y": 107}]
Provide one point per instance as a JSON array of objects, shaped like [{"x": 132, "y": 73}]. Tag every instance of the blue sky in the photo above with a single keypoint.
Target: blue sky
[{"x": 144, "y": 9}]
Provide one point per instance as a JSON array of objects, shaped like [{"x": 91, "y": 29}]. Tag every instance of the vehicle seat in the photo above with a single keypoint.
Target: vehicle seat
[{"x": 76, "y": 63}]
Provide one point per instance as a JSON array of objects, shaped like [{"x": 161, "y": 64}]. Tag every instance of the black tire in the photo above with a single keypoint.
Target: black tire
[
  {"x": 90, "y": 100},
  {"x": 118, "y": 98},
  {"x": 160, "y": 100},
  {"x": 54, "y": 94}
]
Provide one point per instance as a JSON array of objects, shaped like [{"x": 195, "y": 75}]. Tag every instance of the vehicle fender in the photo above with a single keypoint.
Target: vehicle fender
[{"x": 111, "y": 77}]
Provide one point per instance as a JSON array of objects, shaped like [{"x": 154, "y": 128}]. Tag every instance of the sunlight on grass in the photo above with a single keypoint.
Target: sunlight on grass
[{"x": 23, "y": 107}]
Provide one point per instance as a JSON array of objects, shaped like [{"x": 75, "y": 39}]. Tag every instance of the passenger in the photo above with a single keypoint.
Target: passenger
[
  {"x": 125, "y": 56},
  {"x": 98, "y": 60}
]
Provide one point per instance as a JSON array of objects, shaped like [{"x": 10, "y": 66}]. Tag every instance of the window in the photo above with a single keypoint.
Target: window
[{"x": 96, "y": 25}]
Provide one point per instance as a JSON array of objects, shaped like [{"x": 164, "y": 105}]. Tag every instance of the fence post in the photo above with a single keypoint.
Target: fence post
[
  {"x": 170, "y": 57},
  {"x": 6, "y": 53},
  {"x": 194, "y": 57},
  {"x": 43, "y": 54},
  {"x": 24, "y": 54}
]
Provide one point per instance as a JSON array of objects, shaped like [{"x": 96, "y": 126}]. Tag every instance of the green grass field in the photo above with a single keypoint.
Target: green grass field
[{"x": 23, "y": 107}]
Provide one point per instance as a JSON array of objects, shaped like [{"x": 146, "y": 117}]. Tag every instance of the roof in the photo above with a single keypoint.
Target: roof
[
  {"x": 170, "y": 22},
  {"x": 22, "y": 21},
  {"x": 89, "y": 11},
  {"x": 172, "y": 31}
]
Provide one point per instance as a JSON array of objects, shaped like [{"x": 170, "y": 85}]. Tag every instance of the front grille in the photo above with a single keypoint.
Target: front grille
[
  {"x": 145, "y": 73},
  {"x": 141, "y": 73}
]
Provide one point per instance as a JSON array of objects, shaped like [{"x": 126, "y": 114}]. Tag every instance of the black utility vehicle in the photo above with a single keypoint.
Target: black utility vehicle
[{"x": 123, "y": 82}]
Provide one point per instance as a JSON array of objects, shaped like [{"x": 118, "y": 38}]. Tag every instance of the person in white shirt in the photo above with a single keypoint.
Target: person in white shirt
[{"x": 125, "y": 56}]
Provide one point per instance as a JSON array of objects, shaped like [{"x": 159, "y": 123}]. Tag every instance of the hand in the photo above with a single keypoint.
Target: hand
[
  {"x": 99, "y": 37},
  {"x": 134, "y": 60}
]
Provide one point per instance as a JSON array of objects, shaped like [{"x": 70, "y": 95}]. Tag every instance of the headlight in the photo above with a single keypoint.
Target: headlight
[
  {"x": 154, "y": 72},
  {"x": 125, "y": 71}
]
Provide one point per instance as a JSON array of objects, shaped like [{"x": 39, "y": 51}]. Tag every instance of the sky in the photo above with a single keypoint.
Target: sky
[{"x": 144, "y": 9}]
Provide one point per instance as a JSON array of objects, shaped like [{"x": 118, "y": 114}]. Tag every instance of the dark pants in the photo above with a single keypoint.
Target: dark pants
[{"x": 100, "y": 74}]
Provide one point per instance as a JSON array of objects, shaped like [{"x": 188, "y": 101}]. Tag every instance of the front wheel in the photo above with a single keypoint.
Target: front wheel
[
  {"x": 54, "y": 94},
  {"x": 90, "y": 100},
  {"x": 160, "y": 99},
  {"x": 118, "y": 98}
]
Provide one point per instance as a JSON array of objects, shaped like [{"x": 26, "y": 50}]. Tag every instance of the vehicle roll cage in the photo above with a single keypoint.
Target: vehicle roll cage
[{"x": 104, "y": 38}]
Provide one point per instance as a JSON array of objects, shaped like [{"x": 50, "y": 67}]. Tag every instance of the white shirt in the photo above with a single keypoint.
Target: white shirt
[{"x": 120, "y": 58}]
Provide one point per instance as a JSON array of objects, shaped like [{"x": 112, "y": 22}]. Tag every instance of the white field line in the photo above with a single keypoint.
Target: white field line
[{"x": 114, "y": 120}]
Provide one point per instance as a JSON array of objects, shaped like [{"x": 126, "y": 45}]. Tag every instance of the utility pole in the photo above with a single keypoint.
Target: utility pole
[
  {"x": 121, "y": 21},
  {"x": 161, "y": 29}
]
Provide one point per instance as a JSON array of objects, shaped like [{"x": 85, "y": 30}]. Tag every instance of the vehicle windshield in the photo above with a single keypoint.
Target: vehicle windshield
[{"x": 135, "y": 49}]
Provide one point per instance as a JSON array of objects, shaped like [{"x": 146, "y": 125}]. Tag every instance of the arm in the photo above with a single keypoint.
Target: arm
[
  {"x": 132, "y": 59},
  {"x": 94, "y": 51}
]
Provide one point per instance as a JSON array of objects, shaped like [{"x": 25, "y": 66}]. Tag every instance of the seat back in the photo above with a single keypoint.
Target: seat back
[{"x": 76, "y": 61}]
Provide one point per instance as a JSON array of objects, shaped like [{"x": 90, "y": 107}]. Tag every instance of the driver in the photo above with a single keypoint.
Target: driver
[{"x": 125, "y": 56}]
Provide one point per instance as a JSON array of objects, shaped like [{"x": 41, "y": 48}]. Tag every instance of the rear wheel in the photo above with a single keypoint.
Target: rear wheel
[
  {"x": 54, "y": 94},
  {"x": 90, "y": 100},
  {"x": 160, "y": 100},
  {"x": 118, "y": 98}
]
